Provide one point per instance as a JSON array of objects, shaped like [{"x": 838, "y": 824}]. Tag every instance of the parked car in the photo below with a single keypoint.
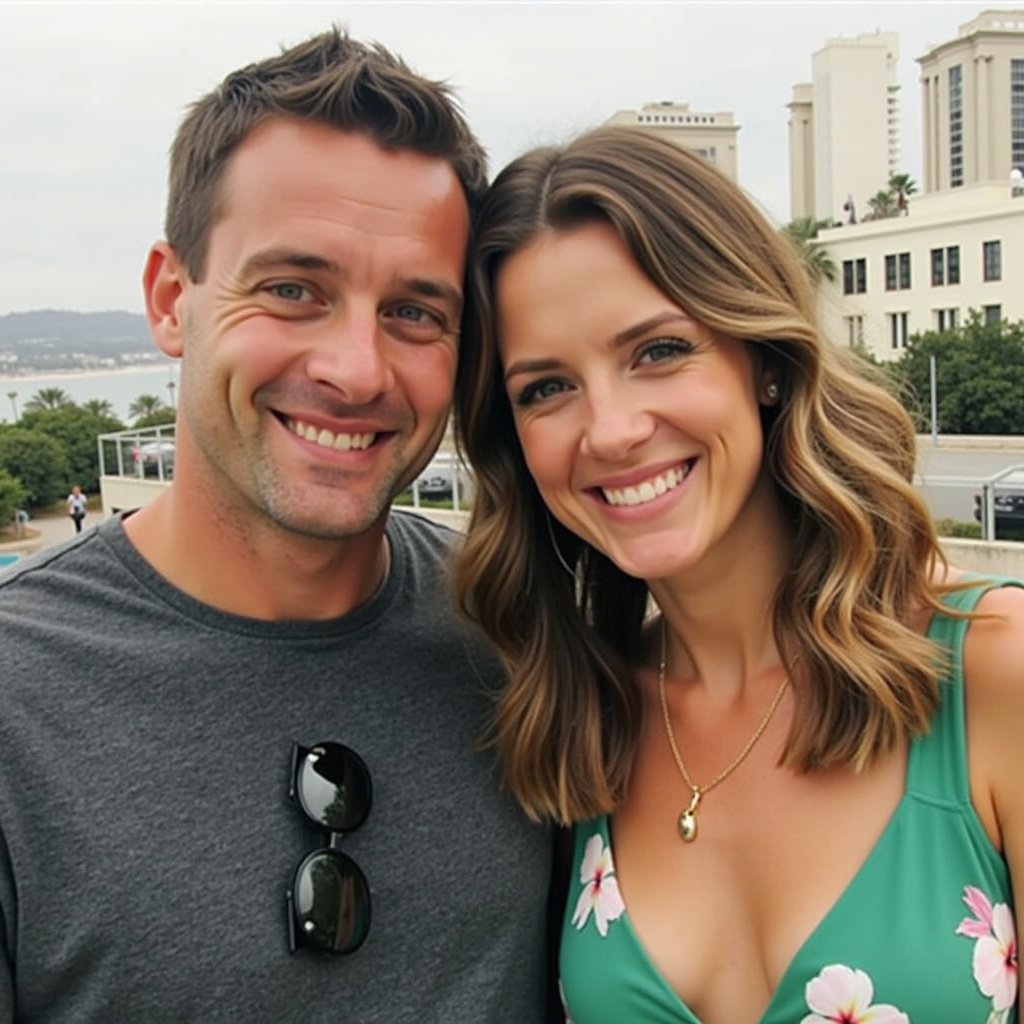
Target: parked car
[
  {"x": 435, "y": 482},
  {"x": 152, "y": 456},
  {"x": 1009, "y": 506}
]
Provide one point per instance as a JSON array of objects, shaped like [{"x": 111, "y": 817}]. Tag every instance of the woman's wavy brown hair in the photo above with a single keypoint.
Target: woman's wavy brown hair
[{"x": 839, "y": 448}]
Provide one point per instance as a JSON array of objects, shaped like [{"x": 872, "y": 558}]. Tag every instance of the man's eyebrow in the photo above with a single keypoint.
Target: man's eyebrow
[
  {"x": 271, "y": 258},
  {"x": 430, "y": 288},
  {"x": 427, "y": 287}
]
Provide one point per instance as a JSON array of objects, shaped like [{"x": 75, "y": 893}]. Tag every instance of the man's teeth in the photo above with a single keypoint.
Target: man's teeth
[
  {"x": 324, "y": 438},
  {"x": 648, "y": 490}
]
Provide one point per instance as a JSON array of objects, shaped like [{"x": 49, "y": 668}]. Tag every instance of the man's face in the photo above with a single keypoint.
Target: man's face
[{"x": 319, "y": 350}]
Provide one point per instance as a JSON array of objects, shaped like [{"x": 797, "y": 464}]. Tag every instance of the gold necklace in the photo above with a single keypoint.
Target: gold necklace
[{"x": 688, "y": 819}]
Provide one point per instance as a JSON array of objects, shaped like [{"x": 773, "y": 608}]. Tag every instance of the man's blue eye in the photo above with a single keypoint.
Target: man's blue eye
[
  {"x": 289, "y": 290},
  {"x": 413, "y": 313}
]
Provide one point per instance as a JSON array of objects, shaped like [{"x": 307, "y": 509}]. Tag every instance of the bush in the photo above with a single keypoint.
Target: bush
[
  {"x": 75, "y": 429},
  {"x": 37, "y": 461},
  {"x": 956, "y": 528},
  {"x": 12, "y": 497}
]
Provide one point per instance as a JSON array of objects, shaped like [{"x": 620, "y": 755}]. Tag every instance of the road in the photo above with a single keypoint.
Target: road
[{"x": 957, "y": 502}]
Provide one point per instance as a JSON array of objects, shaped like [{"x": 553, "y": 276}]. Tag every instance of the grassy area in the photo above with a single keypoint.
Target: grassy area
[{"x": 957, "y": 528}]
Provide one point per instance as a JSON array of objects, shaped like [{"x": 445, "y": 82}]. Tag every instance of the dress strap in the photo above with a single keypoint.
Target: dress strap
[{"x": 937, "y": 766}]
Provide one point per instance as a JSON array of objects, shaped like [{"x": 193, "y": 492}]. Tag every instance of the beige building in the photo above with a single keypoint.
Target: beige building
[
  {"x": 972, "y": 102},
  {"x": 712, "y": 136},
  {"x": 955, "y": 251},
  {"x": 844, "y": 127}
]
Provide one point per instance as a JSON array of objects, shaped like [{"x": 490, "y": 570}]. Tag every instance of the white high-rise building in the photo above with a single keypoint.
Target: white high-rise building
[
  {"x": 844, "y": 130},
  {"x": 972, "y": 103},
  {"x": 712, "y": 136}
]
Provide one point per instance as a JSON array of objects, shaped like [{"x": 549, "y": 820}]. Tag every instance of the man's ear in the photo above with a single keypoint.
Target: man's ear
[{"x": 163, "y": 284}]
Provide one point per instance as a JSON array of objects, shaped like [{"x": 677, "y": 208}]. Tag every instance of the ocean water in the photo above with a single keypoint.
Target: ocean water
[{"x": 119, "y": 387}]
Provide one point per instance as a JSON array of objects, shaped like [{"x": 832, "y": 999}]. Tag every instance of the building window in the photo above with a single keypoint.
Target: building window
[
  {"x": 947, "y": 319},
  {"x": 898, "y": 329},
  {"x": 904, "y": 269},
  {"x": 952, "y": 264},
  {"x": 946, "y": 265},
  {"x": 991, "y": 261},
  {"x": 956, "y": 127},
  {"x": 854, "y": 330},
  {"x": 992, "y": 314},
  {"x": 1017, "y": 114},
  {"x": 855, "y": 277},
  {"x": 897, "y": 271}
]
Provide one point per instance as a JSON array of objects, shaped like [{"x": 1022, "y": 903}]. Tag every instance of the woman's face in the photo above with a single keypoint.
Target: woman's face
[{"x": 640, "y": 426}]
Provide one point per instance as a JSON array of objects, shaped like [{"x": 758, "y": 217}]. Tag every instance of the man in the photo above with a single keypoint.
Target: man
[{"x": 265, "y": 627}]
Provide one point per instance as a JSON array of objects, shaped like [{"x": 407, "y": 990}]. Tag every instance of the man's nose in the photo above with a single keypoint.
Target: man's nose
[{"x": 350, "y": 356}]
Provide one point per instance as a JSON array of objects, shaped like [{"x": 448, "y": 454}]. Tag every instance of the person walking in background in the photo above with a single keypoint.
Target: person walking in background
[
  {"x": 77, "y": 507},
  {"x": 796, "y": 787},
  {"x": 239, "y": 728}
]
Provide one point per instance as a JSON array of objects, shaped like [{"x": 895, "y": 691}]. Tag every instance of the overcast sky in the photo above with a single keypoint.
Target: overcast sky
[{"x": 91, "y": 94}]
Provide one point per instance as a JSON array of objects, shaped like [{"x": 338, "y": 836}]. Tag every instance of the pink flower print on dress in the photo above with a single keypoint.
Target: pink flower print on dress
[
  {"x": 600, "y": 888},
  {"x": 842, "y": 995},
  {"x": 995, "y": 951}
]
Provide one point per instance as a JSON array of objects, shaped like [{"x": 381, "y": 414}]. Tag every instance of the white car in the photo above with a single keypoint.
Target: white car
[{"x": 436, "y": 480}]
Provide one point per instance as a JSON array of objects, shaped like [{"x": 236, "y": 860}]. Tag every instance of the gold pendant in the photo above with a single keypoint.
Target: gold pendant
[{"x": 688, "y": 819}]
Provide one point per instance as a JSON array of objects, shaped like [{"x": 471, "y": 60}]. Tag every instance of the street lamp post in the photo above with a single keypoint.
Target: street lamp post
[{"x": 13, "y": 396}]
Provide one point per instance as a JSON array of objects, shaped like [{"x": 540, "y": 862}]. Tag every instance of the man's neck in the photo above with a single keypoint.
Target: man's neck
[{"x": 258, "y": 570}]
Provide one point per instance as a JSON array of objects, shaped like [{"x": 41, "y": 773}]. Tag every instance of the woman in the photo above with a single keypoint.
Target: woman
[
  {"x": 77, "y": 506},
  {"x": 780, "y": 813}
]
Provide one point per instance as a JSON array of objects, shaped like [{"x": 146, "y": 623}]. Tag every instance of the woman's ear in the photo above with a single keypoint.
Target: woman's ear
[{"x": 163, "y": 283}]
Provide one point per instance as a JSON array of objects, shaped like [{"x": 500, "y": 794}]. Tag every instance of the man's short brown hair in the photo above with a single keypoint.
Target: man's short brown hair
[{"x": 331, "y": 79}]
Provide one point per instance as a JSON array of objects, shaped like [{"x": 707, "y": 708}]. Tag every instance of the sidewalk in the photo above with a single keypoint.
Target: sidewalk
[{"x": 53, "y": 529}]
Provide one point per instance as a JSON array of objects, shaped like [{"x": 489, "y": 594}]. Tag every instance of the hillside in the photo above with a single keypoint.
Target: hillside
[{"x": 58, "y": 339}]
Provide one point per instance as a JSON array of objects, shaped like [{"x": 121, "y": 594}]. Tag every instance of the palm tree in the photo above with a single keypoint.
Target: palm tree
[
  {"x": 98, "y": 407},
  {"x": 883, "y": 205},
  {"x": 802, "y": 232},
  {"x": 145, "y": 405},
  {"x": 902, "y": 186},
  {"x": 48, "y": 398}
]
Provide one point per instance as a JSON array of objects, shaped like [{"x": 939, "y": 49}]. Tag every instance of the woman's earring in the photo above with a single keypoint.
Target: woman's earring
[
  {"x": 771, "y": 389},
  {"x": 554, "y": 544}
]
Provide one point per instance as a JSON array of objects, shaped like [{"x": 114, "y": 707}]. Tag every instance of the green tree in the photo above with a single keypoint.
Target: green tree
[
  {"x": 979, "y": 372},
  {"x": 76, "y": 430},
  {"x": 37, "y": 461},
  {"x": 883, "y": 205},
  {"x": 144, "y": 405},
  {"x": 902, "y": 186},
  {"x": 98, "y": 407},
  {"x": 48, "y": 398},
  {"x": 159, "y": 418},
  {"x": 802, "y": 232},
  {"x": 12, "y": 497}
]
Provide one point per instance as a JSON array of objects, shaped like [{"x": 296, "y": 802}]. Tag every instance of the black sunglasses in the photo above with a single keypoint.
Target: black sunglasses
[{"x": 329, "y": 901}]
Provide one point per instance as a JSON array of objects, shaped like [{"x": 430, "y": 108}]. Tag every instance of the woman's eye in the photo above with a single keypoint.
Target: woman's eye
[
  {"x": 290, "y": 291},
  {"x": 538, "y": 390},
  {"x": 660, "y": 349}
]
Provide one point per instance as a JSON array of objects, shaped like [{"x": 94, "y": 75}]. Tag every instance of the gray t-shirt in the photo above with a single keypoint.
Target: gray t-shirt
[{"x": 146, "y": 837}]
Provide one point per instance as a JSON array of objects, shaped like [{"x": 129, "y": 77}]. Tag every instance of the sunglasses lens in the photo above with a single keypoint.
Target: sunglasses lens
[
  {"x": 332, "y": 902},
  {"x": 333, "y": 786}
]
